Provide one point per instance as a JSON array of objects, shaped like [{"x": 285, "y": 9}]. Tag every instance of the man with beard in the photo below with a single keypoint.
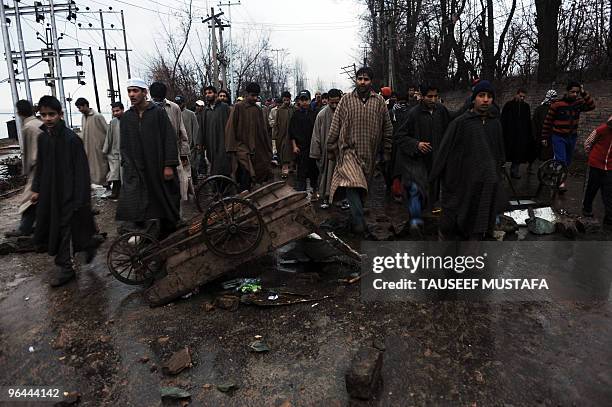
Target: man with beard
[
  {"x": 516, "y": 124},
  {"x": 213, "y": 120},
  {"x": 300, "y": 134},
  {"x": 158, "y": 94},
  {"x": 247, "y": 141},
  {"x": 279, "y": 121},
  {"x": 417, "y": 143},
  {"x": 224, "y": 97},
  {"x": 537, "y": 122},
  {"x": 360, "y": 123},
  {"x": 561, "y": 123},
  {"x": 468, "y": 164},
  {"x": 318, "y": 145},
  {"x": 93, "y": 133},
  {"x": 150, "y": 190},
  {"x": 112, "y": 150},
  {"x": 62, "y": 191}
]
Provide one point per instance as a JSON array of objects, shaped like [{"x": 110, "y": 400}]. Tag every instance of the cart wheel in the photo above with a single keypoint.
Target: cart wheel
[
  {"x": 552, "y": 173},
  {"x": 232, "y": 227},
  {"x": 132, "y": 258},
  {"x": 214, "y": 189}
]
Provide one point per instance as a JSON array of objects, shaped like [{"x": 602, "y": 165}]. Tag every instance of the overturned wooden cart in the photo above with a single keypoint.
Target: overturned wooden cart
[{"x": 234, "y": 230}]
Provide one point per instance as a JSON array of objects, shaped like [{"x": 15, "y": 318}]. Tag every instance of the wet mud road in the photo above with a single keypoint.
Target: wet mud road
[{"x": 98, "y": 337}]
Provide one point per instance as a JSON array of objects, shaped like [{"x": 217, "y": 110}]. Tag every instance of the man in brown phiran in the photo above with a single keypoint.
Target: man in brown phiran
[
  {"x": 360, "y": 124},
  {"x": 247, "y": 142}
]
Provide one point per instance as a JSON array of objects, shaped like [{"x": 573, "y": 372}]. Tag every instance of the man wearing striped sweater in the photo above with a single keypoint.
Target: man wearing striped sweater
[{"x": 561, "y": 123}]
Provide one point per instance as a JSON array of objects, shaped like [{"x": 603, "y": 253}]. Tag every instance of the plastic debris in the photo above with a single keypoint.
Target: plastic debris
[
  {"x": 539, "y": 226},
  {"x": 227, "y": 387},
  {"x": 244, "y": 285},
  {"x": 259, "y": 346},
  {"x": 273, "y": 297},
  {"x": 174, "y": 393},
  {"x": 31, "y": 349}
]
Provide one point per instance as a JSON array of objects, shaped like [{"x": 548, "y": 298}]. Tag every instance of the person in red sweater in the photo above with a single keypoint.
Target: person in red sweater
[
  {"x": 561, "y": 123},
  {"x": 599, "y": 148}
]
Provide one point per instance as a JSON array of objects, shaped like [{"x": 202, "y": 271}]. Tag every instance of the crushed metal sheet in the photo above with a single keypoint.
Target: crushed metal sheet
[{"x": 521, "y": 215}]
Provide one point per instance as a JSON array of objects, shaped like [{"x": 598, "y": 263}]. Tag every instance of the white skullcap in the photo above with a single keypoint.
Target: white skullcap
[
  {"x": 137, "y": 82},
  {"x": 200, "y": 103}
]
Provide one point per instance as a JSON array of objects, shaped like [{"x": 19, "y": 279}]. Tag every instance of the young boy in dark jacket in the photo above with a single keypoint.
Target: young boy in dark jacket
[{"x": 62, "y": 190}]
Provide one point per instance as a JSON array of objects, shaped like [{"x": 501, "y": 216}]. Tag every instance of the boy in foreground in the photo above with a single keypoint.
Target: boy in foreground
[{"x": 62, "y": 190}]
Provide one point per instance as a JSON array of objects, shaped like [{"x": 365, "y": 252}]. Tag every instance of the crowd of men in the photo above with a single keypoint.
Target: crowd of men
[{"x": 150, "y": 155}]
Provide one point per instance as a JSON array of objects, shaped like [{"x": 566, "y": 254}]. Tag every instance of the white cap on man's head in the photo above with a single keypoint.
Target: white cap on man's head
[
  {"x": 137, "y": 82},
  {"x": 200, "y": 103}
]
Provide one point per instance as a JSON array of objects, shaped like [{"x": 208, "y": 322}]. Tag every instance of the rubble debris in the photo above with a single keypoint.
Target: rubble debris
[
  {"x": 380, "y": 231},
  {"x": 227, "y": 302},
  {"x": 566, "y": 227},
  {"x": 70, "y": 398},
  {"x": 539, "y": 226},
  {"x": 507, "y": 224},
  {"x": 259, "y": 346},
  {"x": 174, "y": 393},
  {"x": 226, "y": 387},
  {"x": 163, "y": 339},
  {"x": 284, "y": 299},
  {"x": 363, "y": 379},
  {"x": 588, "y": 225},
  {"x": 179, "y": 361},
  {"x": 63, "y": 339},
  {"x": 208, "y": 306},
  {"x": 144, "y": 359}
]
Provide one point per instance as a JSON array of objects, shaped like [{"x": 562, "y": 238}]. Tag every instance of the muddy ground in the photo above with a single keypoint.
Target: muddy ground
[{"x": 98, "y": 337}]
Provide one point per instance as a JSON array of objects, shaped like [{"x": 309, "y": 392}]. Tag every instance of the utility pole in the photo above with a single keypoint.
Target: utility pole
[
  {"x": 277, "y": 51},
  {"x": 365, "y": 55},
  {"x": 51, "y": 82},
  {"x": 222, "y": 58},
  {"x": 8, "y": 52},
  {"x": 110, "y": 55},
  {"x": 58, "y": 60},
  {"x": 127, "y": 56},
  {"x": 52, "y": 53},
  {"x": 24, "y": 65},
  {"x": 230, "y": 60},
  {"x": 95, "y": 81},
  {"x": 215, "y": 61},
  {"x": 117, "y": 72},
  {"x": 214, "y": 17},
  {"x": 109, "y": 69}
]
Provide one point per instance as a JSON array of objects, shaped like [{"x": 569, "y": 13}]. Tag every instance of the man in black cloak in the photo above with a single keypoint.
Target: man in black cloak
[
  {"x": 62, "y": 189},
  {"x": 520, "y": 146},
  {"x": 211, "y": 137},
  {"x": 301, "y": 126},
  {"x": 469, "y": 164},
  {"x": 150, "y": 188},
  {"x": 417, "y": 143}
]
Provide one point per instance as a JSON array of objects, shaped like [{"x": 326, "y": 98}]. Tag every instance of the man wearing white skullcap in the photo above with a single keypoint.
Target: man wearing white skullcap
[{"x": 150, "y": 189}]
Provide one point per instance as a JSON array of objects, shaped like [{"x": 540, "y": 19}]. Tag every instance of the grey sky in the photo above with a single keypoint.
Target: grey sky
[{"x": 323, "y": 33}]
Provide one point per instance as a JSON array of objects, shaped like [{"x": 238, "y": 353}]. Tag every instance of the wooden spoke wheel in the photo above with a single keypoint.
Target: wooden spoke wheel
[
  {"x": 214, "y": 189},
  {"x": 133, "y": 258},
  {"x": 232, "y": 227},
  {"x": 552, "y": 173}
]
